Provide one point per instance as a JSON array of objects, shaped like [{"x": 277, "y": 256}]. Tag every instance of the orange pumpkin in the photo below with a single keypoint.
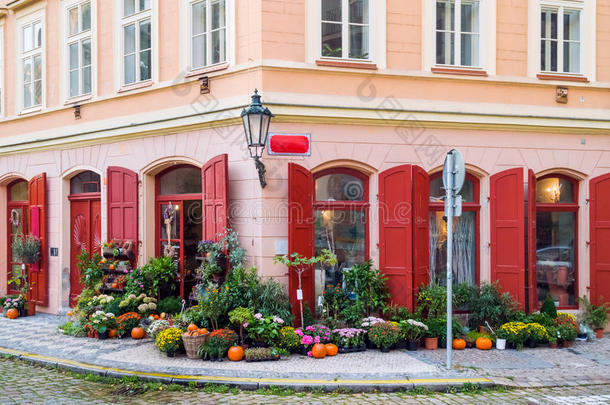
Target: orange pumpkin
[
  {"x": 70, "y": 313},
  {"x": 331, "y": 349},
  {"x": 111, "y": 333},
  {"x": 318, "y": 351},
  {"x": 483, "y": 343},
  {"x": 137, "y": 333},
  {"x": 115, "y": 285},
  {"x": 203, "y": 331},
  {"x": 156, "y": 317},
  {"x": 459, "y": 344},
  {"x": 111, "y": 267},
  {"x": 192, "y": 327},
  {"x": 12, "y": 313},
  {"x": 236, "y": 353}
]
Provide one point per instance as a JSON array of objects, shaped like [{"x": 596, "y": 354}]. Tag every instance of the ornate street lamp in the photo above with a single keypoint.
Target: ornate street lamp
[{"x": 256, "y": 119}]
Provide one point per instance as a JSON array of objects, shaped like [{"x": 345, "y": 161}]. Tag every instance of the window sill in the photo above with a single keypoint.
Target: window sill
[
  {"x": 136, "y": 86},
  {"x": 562, "y": 77},
  {"x": 458, "y": 70},
  {"x": 346, "y": 64},
  {"x": 79, "y": 99},
  {"x": 209, "y": 69},
  {"x": 30, "y": 110}
]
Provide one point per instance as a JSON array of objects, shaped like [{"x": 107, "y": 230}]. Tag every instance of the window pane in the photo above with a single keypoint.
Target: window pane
[
  {"x": 183, "y": 180},
  {"x": 143, "y": 5},
  {"x": 199, "y": 56},
  {"x": 85, "y": 182},
  {"x": 554, "y": 190},
  {"x": 445, "y": 48},
  {"x": 37, "y": 67},
  {"x": 27, "y": 70},
  {"x": 470, "y": 50},
  {"x": 555, "y": 266},
  {"x": 218, "y": 14},
  {"x": 198, "y": 18},
  {"x": 571, "y": 57},
  {"x": 548, "y": 24},
  {"x": 86, "y": 17},
  {"x": 145, "y": 65},
  {"x": 73, "y": 20},
  {"x": 19, "y": 191},
  {"x": 128, "y": 7},
  {"x": 331, "y": 40},
  {"x": 339, "y": 187},
  {"x": 73, "y": 51},
  {"x": 87, "y": 52},
  {"x": 464, "y": 235},
  {"x": 444, "y": 15},
  {"x": 28, "y": 38},
  {"x": 218, "y": 46},
  {"x": 170, "y": 211},
  {"x": 344, "y": 233},
  {"x": 470, "y": 17},
  {"x": 37, "y": 35},
  {"x": 358, "y": 41},
  {"x": 359, "y": 11},
  {"x": 437, "y": 193},
  {"x": 144, "y": 35},
  {"x": 130, "y": 69},
  {"x": 331, "y": 10},
  {"x": 87, "y": 80},
  {"x": 38, "y": 92},
  {"x": 571, "y": 25},
  {"x": 548, "y": 55},
  {"x": 129, "y": 39},
  {"x": 74, "y": 83},
  {"x": 27, "y": 95}
]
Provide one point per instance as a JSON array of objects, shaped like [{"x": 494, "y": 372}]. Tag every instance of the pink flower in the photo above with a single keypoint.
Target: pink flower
[
  {"x": 299, "y": 332},
  {"x": 310, "y": 354},
  {"x": 125, "y": 271},
  {"x": 307, "y": 340},
  {"x": 258, "y": 315},
  {"x": 317, "y": 339},
  {"x": 246, "y": 324}
]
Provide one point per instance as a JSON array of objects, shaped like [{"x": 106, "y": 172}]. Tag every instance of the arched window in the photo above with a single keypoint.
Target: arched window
[
  {"x": 85, "y": 182},
  {"x": 556, "y": 232},
  {"x": 180, "y": 180},
  {"x": 341, "y": 221},
  {"x": 17, "y": 208},
  {"x": 465, "y": 233}
]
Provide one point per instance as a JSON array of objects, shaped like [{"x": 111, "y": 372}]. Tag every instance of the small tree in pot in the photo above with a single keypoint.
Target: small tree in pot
[
  {"x": 595, "y": 317},
  {"x": 26, "y": 249}
]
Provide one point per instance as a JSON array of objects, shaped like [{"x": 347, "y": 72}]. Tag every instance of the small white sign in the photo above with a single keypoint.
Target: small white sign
[
  {"x": 300, "y": 295},
  {"x": 281, "y": 246}
]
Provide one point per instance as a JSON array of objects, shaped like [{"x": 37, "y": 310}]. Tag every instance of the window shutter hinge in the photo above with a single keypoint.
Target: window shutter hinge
[{"x": 588, "y": 243}]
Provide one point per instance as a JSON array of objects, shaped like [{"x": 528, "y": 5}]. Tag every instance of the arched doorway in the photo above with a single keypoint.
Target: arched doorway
[
  {"x": 85, "y": 223},
  {"x": 17, "y": 214},
  {"x": 179, "y": 218}
]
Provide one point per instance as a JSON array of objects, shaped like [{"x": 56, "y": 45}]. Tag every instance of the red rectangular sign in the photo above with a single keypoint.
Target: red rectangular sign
[{"x": 289, "y": 144}]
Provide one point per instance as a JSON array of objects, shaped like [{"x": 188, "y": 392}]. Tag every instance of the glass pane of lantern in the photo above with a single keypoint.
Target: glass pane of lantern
[
  {"x": 255, "y": 128},
  {"x": 339, "y": 187}
]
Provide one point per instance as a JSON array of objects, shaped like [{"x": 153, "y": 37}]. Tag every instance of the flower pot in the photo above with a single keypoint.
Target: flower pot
[
  {"x": 565, "y": 343},
  {"x": 599, "y": 333},
  {"x": 385, "y": 350},
  {"x": 442, "y": 343},
  {"x": 531, "y": 343},
  {"x": 23, "y": 312},
  {"x": 481, "y": 329},
  {"x": 431, "y": 343},
  {"x": 31, "y": 308},
  {"x": 102, "y": 336},
  {"x": 412, "y": 345},
  {"x": 501, "y": 344},
  {"x": 107, "y": 252},
  {"x": 553, "y": 345}
]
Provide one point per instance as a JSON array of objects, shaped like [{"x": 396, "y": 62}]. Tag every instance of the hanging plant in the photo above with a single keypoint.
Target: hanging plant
[{"x": 26, "y": 249}]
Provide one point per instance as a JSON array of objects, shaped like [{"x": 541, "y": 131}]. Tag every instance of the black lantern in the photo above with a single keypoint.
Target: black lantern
[{"x": 256, "y": 119}]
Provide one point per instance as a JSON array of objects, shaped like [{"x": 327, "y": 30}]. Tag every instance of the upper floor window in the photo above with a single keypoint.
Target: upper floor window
[
  {"x": 458, "y": 32},
  {"x": 560, "y": 33},
  {"x": 137, "y": 41},
  {"x": 345, "y": 26},
  {"x": 79, "y": 49},
  {"x": 31, "y": 63},
  {"x": 208, "y": 32}
]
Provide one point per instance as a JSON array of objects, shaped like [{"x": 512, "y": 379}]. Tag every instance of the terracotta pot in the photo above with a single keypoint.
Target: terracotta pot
[
  {"x": 481, "y": 329},
  {"x": 562, "y": 275},
  {"x": 31, "y": 308},
  {"x": 599, "y": 333},
  {"x": 553, "y": 345},
  {"x": 431, "y": 343},
  {"x": 566, "y": 343}
]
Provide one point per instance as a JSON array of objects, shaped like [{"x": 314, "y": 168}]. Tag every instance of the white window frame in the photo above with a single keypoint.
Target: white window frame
[
  {"x": 587, "y": 61},
  {"x": 153, "y": 15},
  {"x": 345, "y": 32},
  {"x": 29, "y": 17},
  {"x": 208, "y": 32},
  {"x": 377, "y": 33},
  {"x": 65, "y": 50},
  {"x": 487, "y": 37}
]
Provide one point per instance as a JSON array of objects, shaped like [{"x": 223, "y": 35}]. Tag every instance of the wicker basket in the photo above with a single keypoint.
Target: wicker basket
[{"x": 192, "y": 343}]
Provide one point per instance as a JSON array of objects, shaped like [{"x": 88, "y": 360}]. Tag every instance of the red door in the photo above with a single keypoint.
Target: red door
[
  {"x": 507, "y": 232},
  {"x": 421, "y": 232},
  {"x": 122, "y": 205},
  {"x": 599, "y": 189},
  {"x": 215, "y": 189},
  {"x": 532, "y": 280},
  {"x": 85, "y": 234},
  {"x": 37, "y": 217}
]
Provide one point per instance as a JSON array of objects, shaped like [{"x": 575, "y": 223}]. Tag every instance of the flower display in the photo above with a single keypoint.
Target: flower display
[
  {"x": 126, "y": 322},
  {"x": 101, "y": 321},
  {"x": 537, "y": 332},
  {"x": 411, "y": 329},
  {"x": 289, "y": 339},
  {"x": 314, "y": 334},
  {"x": 142, "y": 304},
  {"x": 384, "y": 334},
  {"x": 169, "y": 340},
  {"x": 17, "y": 303},
  {"x": 349, "y": 337},
  {"x": 156, "y": 327},
  {"x": 264, "y": 329},
  {"x": 370, "y": 321},
  {"x": 564, "y": 318},
  {"x": 516, "y": 333}
]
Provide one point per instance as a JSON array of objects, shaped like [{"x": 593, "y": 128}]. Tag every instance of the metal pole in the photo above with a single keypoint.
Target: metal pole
[{"x": 449, "y": 201}]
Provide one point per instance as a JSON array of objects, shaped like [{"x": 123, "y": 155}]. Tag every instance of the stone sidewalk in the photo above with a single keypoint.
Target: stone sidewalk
[{"x": 582, "y": 364}]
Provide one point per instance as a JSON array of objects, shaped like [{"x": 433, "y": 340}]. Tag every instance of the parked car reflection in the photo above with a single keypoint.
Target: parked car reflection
[{"x": 555, "y": 273}]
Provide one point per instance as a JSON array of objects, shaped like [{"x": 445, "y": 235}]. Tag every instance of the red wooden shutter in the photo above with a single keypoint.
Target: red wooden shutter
[
  {"x": 395, "y": 233},
  {"x": 599, "y": 211},
  {"x": 38, "y": 274},
  {"x": 421, "y": 236},
  {"x": 122, "y": 205},
  {"x": 301, "y": 232},
  {"x": 531, "y": 242},
  {"x": 507, "y": 233},
  {"x": 215, "y": 185}
]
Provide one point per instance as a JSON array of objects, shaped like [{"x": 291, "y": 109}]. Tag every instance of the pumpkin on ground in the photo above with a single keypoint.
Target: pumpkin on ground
[
  {"x": 331, "y": 349},
  {"x": 483, "y": 343},
  {"x": 12, "y": 313},
  {"x": 236, "y": 353},
  {"x": 111, "y": 333},
  {"x": 137, "y": 333},
  {"x": 459, "y": 344},
  {"x": 191, "y": 327},
  {"x": 318, "y": 351}
]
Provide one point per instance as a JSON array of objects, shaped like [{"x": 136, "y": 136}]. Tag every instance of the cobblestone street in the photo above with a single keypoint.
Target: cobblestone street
[{"x": 23, "y": 383}]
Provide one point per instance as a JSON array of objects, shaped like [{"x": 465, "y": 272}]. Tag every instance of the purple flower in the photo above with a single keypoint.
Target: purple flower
[
  {"x": 310, "y": 354},
  {"x": 141, "y": 285},
  {"x": 246, "y": 324},
  {"x": 317, "y": 339},
  {"x": 307, "y": 340},
  {"x": 258, "y": 315},
  {"x": 299, "y": 332},
  {"x": 125, "y": 271}
]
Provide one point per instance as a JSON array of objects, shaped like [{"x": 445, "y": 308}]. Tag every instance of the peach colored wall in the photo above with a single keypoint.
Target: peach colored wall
[
  {"x": 603, "y": 40},
  {"x": 169, "y": 37},
  {"x": 404, "y": 34},
  {"x": 248, "y": 35},
  {"x": 105, "y": 47},
  {"x": 511, "y": 38},
  {"x": 283, "y": 26}
]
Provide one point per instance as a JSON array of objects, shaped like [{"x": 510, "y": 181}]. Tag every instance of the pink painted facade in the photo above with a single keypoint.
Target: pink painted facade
[{"x": 396, "y": 106}]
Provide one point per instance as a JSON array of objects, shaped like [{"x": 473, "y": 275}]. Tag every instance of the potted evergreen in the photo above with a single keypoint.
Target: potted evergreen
[
  {"x": 595, "y": 317},
  {"x": 26, "y": 249}
]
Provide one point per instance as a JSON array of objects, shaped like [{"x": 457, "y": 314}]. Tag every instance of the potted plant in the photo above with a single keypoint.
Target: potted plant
[
  {"x": 516, "y": 334},
  {"x": 501, "y": 335},
  {"x": 537, "y": 334},
  {"x": 311, "y": 335},
  {"x": 20, "y": 281},
  {"x": 241, "y": 317},
  {"x": 595, "y": 317},
  {"x": 412, "y": 330},
  {"x": 26, "y": 249},
  {"x": 436, "y": 329},
  {"x": 264, "y": 330},
  {"x": 567, "y": 334},
  {"x": 217, "y": 345},
  {"x": 101, "y": 322},
  {"x": 169, "y": 341},
  {"x": 16, "y": 301},
  {"x": 552, "y": 331},
  {"x": 384, "y": 335},
  {"x": 349, "y": 339}
]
